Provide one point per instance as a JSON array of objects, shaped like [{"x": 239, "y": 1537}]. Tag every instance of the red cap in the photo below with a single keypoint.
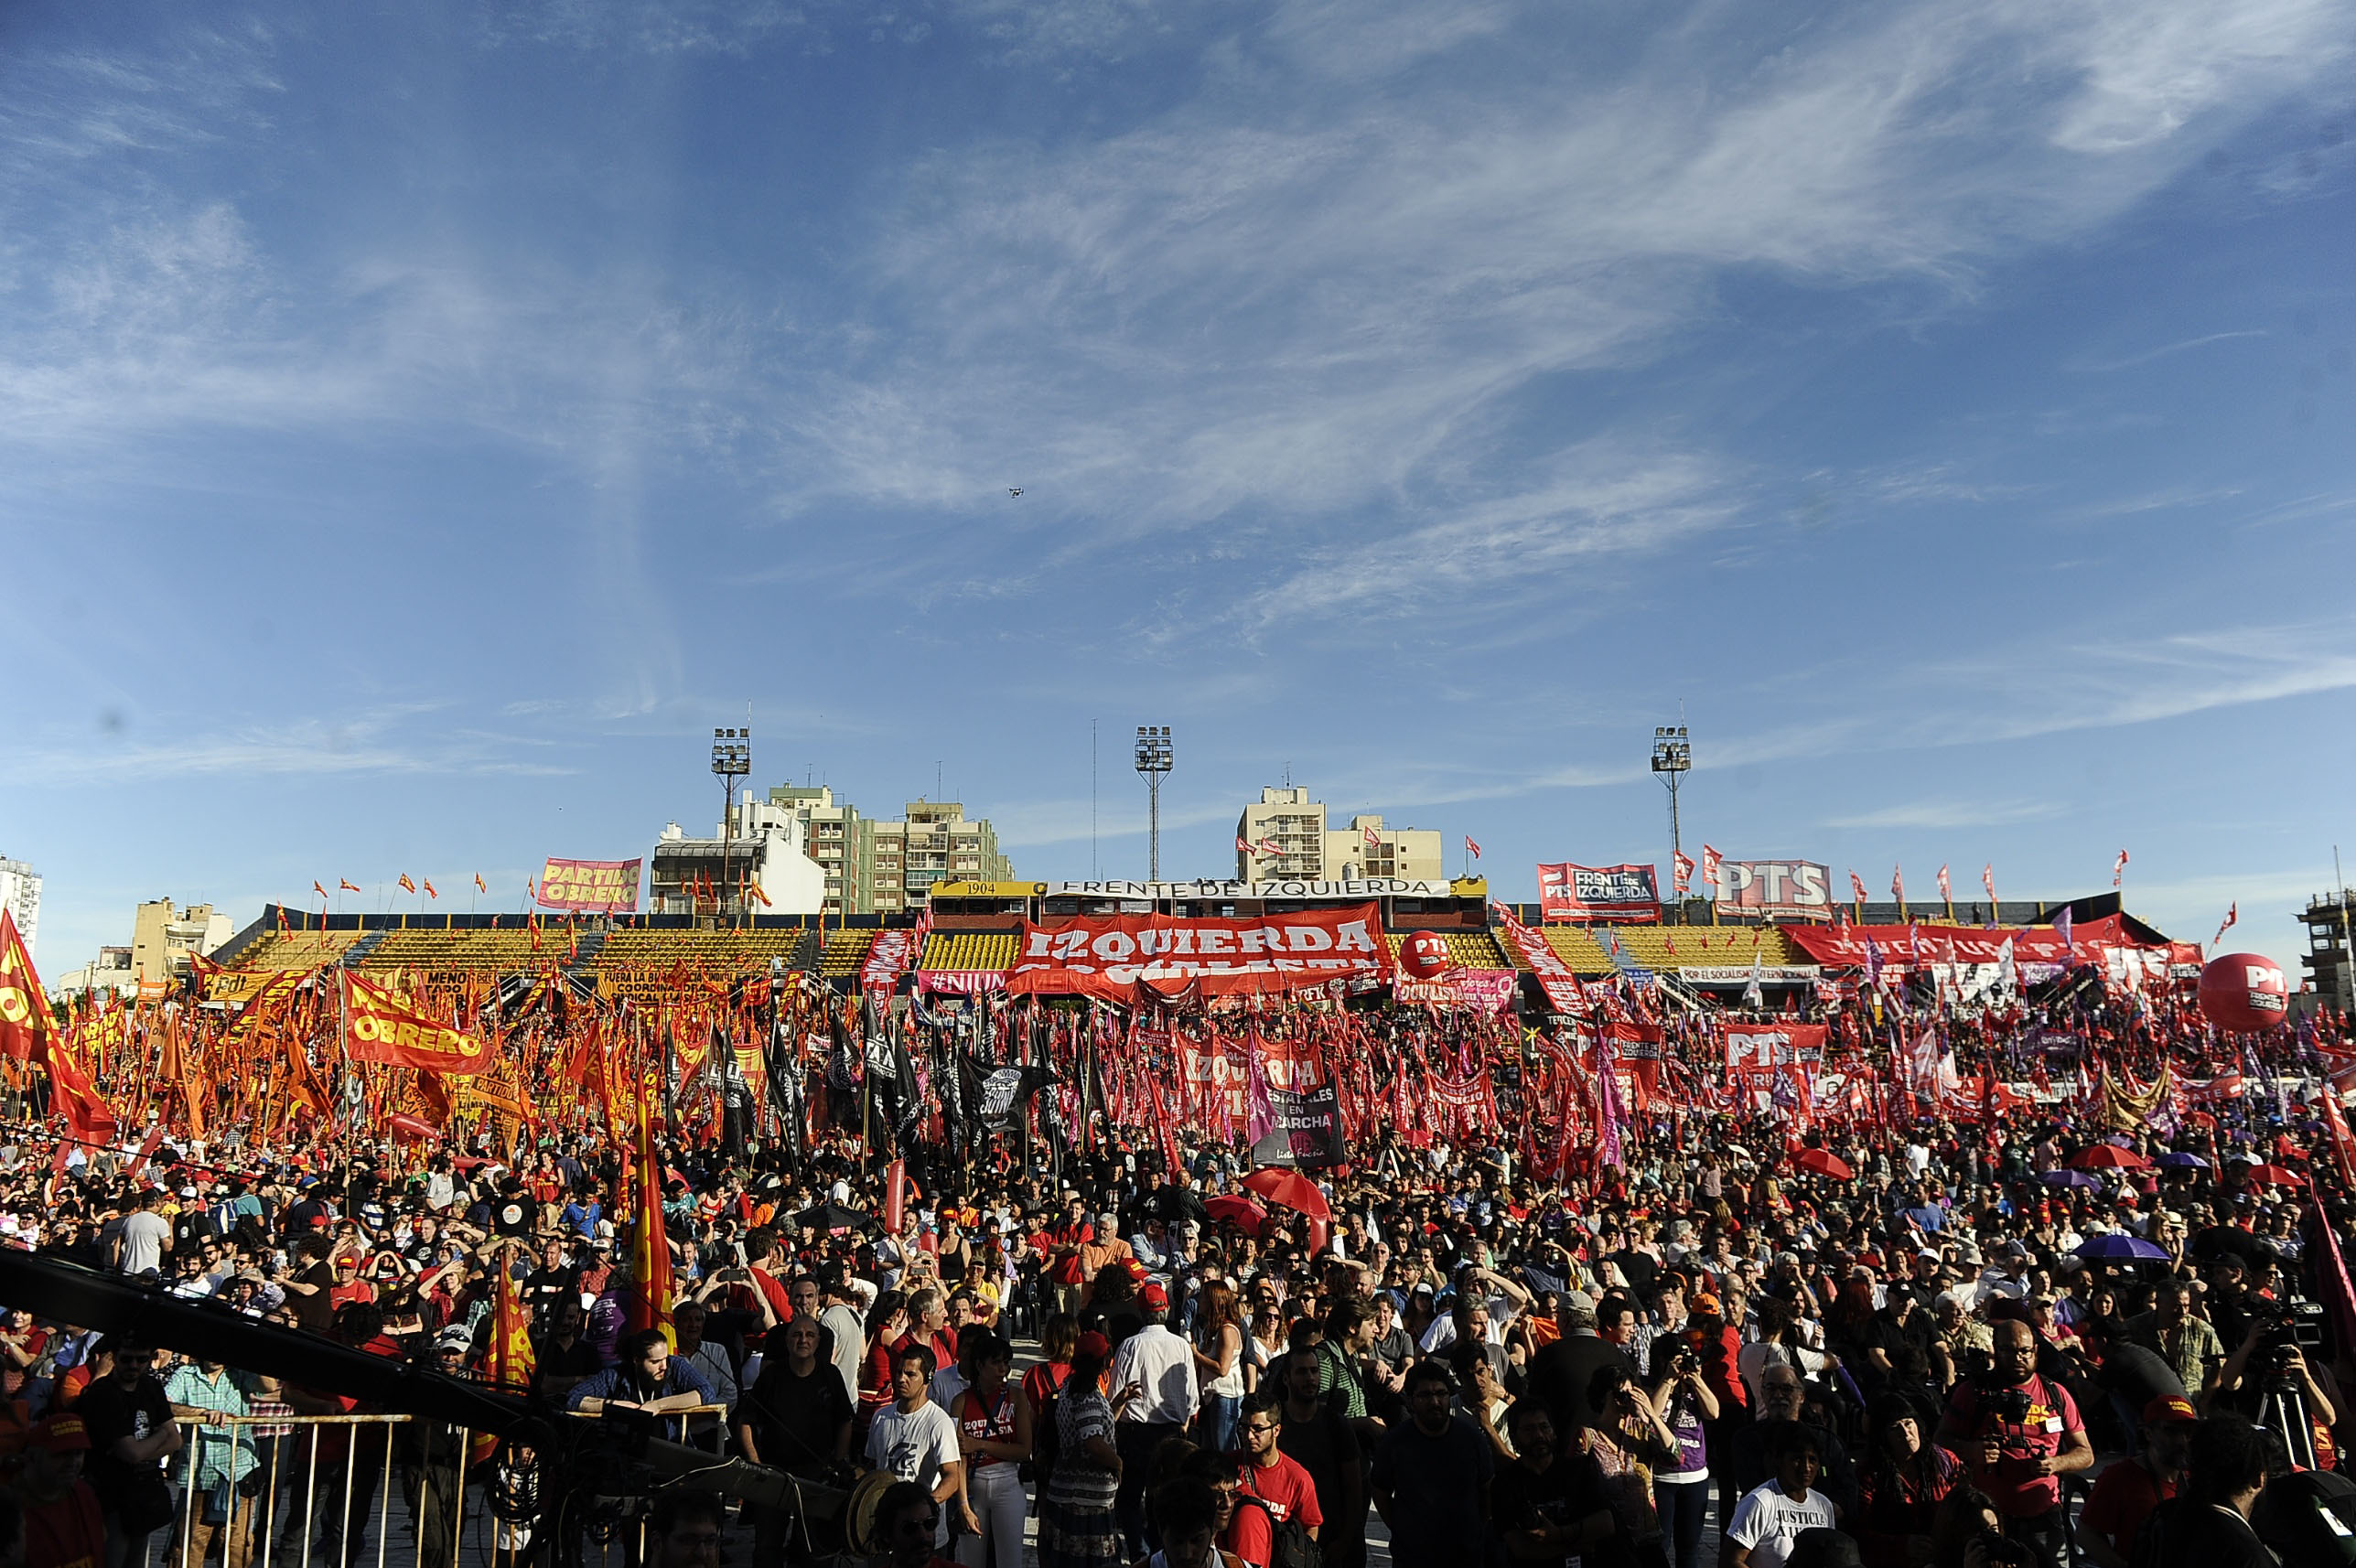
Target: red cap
[
  {"x": 1094, "y": 1346},
  {"x": 1155, "y": 1298},
  {"x": 62, "y": 1433},
  {"x": 2169, "y": 1407}
]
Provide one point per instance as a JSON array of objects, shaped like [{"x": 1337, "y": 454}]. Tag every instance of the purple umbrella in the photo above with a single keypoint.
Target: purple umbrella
[
  {"x": 2069, "y": 1178},
  {"x": 2182, "y": 1159},
  {"x": 2118, "y": 1246}
]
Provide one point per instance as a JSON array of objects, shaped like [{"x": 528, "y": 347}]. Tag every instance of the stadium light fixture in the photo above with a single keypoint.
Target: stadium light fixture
[
  {"x": 1672, "y": 758},
  {"x": 732, "y": 760},
  {"x": 1154, "y": 762}
]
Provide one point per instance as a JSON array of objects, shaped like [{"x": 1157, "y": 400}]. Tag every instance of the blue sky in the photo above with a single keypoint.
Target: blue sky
[{"x": 419, "y": 425}]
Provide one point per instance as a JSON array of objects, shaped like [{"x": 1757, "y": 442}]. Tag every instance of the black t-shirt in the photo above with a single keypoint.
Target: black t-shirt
[
  {"x": 111, "y": 1413},
  {"x": 1562, "y": 1494},
  {"x": 1637, "y": 1270},
  {"x": 2182, "y": 1533},
  {"x": 1325, "y": 1445},
  {"x": 515, "y": 1214},
  {"x": 1435, "y": 1488},
  {"x": 314, "y": 1310},
  {"x": 794, "y": 1420},
  {"x": 1559, "y": 1375},
  {"x": 547, "y": 1289},
  {"x": 2139, "y": 1373}
]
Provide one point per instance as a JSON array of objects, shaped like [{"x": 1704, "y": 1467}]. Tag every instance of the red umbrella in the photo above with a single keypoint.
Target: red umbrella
[
  {"x": 1824, "y": 1162},
  {"x": 2275, "y": 1175},
  {"x": 1232, "y": 1208},
  {"x": 1289, "y": 1189},
  {"x": 2109, "y": 1156}
]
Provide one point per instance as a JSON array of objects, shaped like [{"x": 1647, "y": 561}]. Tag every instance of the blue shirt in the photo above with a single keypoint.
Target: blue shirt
[{"x": 616, "y": 1382}]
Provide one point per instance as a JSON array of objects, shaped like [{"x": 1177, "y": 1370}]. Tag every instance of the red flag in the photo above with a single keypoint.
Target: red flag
[
  {"x": 1710, "y": 859},
  {"x": 650, "y": 1304},
  {"x": 1945, "y": 892},
  {"x": 26, "y": 1024},
  {"x": 74, "y": 1097},
  {"x": 1857, "y": 886},
  {"x": 430, "y": 889},
  {"x": 1373, "y": 838},
  {"x": 2232, "y": 913},
  {"x": 1472, "y": 848},
  {"x": 1681, "y": 873},
  {"x": 319, "y": 890},
  {"x": 344, "y": 886},
  {"x": 2119, "y": 868},
  {"x": 480, "y": 886},
  {"x": 407, "y": 886},
  {"x": 1988, "y": 881},
  {"x": 1898, "y": 883}
]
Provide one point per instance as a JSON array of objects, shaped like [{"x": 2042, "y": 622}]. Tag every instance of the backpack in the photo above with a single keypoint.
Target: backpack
[
  {"x": 1046, "y": 1442},
  {"x": 1290, "y": 1544}
]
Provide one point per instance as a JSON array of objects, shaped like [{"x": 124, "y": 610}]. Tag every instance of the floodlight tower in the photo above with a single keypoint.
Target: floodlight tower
[
  {"x": 1154, "y": 764},
  {"x": 732, "y": 760},
  {"x": 1672, "y": 758}
]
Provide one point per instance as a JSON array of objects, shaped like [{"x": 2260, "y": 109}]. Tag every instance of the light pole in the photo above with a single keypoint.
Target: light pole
[
  {"x": 1672, "y": 758},
  {"x": 1154, "y": 763},
  {"x": 732, "y": 758}
]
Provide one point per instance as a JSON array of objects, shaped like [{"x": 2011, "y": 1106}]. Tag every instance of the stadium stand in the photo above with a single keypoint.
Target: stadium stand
[
  {"x": 295, "y": 949},
  {"x": 845, "y": 950},
  {"x": 970, "y": 950},
  {"x": 1468, "y": 949}
]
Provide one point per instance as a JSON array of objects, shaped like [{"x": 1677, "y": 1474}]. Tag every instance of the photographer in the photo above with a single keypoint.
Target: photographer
[
  {"x": 2268, "y": 1360},
  {"x": 2018, "y": 1434}
]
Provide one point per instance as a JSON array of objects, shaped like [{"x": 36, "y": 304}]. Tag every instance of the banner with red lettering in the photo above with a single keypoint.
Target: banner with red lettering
[
  {"x": 590, "y": 886},
  {"x": 1217, "y": 1071},
  {"x": 1556, "y": 978},
  {"x": 378, "y": 1029},
  {"x": 1626, "y": 893},
  {"x": 1114, "y": 957}
]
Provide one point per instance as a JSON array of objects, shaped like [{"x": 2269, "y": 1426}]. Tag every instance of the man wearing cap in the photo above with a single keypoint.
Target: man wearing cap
[
  {"x": 63, "y": 1528},
  {"x": 1156, "y": 1366},
  {"x": 2125, "y": 1494}
]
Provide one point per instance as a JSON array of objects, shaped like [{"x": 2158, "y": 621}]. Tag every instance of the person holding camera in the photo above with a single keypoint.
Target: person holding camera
[
  {"x": 2269, "y": 1361},
  {"x": 2018, "y": 1434},
  {"x": 1681, "y": 1487}
]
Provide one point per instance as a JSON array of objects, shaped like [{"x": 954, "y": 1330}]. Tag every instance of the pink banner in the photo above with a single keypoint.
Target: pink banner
[
  {"x": 591, "y": 887},
  {"x": 1478, "y": 990},
  {"x": 1628, "y": 893},
  {"x": 1923, "y": 942},
  {"x": 965, "y": 981},
  {"x": 1564, "y": 991},
  {"x": 891, "y": 955}
]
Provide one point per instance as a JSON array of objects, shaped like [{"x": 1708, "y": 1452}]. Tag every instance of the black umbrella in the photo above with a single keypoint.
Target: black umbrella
[{"x": 831, "y": 1216}]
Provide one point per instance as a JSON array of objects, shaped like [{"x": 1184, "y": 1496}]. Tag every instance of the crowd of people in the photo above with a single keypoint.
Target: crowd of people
[{"x": 1823, "y": 1340}]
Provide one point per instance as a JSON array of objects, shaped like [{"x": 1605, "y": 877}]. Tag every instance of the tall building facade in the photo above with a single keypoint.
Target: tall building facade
[
  {"x": 20, "y": 895},
  {"x": 840, "y": 840},
  {"x": 1284, "y": 833},
  {"x": 162, "y": 938},
  {"x": 877, "y": 866}
]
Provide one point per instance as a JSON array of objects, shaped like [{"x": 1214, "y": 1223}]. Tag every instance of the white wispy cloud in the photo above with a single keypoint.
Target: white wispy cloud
[
  {"x": 1949, "y": 812},
  {"x": 383, "y": 740},
  {"x": 2131, "y": 361}
]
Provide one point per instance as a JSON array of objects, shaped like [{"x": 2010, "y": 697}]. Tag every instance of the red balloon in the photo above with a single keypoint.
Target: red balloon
[
  {"x": 408, "y": 1129},
  {"x": 1425, "y": 955},
  {"x": 2244, "y": 993}
]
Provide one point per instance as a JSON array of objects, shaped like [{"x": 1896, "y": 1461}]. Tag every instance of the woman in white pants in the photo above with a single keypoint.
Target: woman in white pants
[{"x": 994, "y": 1438}]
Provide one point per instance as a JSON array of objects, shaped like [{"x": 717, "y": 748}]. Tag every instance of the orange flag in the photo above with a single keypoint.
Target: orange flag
[
  {"x": 26, "y": 1026},
  {"x": 407, "y": 886},
  {"x": 378, "y": 1029}
]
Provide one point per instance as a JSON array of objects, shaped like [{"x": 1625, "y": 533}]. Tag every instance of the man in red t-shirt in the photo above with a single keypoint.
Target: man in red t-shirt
[
  {"x": 2019, "y": 1456},
  {"x": 63, "y": 1527},
  {"x": 2125, "y": 1494},
  {"x": 1283, "y": 1489}
]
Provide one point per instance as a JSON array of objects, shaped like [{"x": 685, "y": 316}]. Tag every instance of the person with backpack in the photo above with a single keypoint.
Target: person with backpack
[
  {"x": 1322, "y": 1440},
  {"x": 2017, "y": 1435},
  {"x": 1276, "y": 1511}
]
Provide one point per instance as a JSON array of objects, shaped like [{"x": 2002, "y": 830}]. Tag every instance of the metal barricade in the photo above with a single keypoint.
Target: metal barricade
[{"x": 280, "y": 1506}]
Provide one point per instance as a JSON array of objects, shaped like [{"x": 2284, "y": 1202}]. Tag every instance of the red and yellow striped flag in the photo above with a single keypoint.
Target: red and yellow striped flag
[
  {"x": 650, "y": 1306},
  {"x": 509, "y": 1362}
]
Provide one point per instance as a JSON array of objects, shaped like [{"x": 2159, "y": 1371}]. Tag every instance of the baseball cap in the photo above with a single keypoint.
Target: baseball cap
[
  {"x": 61, "y": 1433},
  {"x": 1155, "y": 1298},
  {"x": 2169, "y": 1407},
  {"x": 1094, "y": 1346}
]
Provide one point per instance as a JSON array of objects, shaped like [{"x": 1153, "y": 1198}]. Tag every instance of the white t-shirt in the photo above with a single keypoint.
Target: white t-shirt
[
  {"x": 915, "y": 1446},
  {"x": 1767, "y": 1522},
  {"x": 146, "y": 1234}
]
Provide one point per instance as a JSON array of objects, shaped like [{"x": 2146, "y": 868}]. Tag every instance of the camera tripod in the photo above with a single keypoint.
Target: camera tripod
[{"x": 2282, "y": 1410}]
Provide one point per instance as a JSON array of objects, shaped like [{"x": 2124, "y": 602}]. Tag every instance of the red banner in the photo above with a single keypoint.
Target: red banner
[
  {"x": 1905, "y": 947},
  {"x": 592, "y": 887},
  {"x": 1114, "y": 956},
  {"x": 889, "y": 956},
  {"x": 378, "y": 1029},
  {"x": 1556, "y": 978},
  {"x": 1628, "y": 893},
  {"x": 1218, "y": 1070}
]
